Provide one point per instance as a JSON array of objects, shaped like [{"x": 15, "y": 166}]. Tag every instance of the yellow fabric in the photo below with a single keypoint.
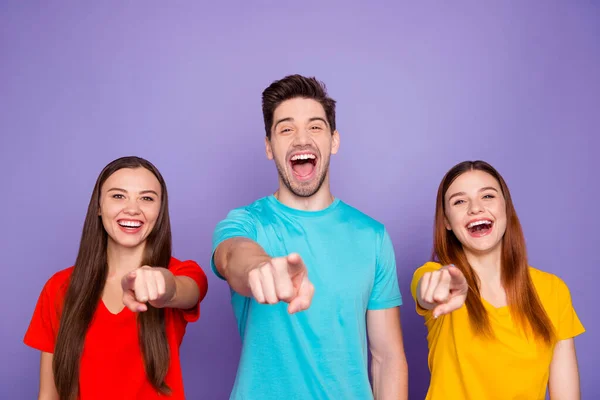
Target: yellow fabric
[{"x": 509, "y": 367}]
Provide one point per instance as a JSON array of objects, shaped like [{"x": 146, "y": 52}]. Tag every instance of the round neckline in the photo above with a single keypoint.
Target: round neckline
[
  {"x": 303, "y": 213},
  {"x": 490, "y": 306}
]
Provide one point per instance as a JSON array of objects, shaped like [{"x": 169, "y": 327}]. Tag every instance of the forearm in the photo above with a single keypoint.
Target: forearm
[
  {"x": 235, "y": 258},
  {"x": 390, "y": 377},
  {"x": 47, "y": 387},
  {"x": 564, "y": 372},
  {"x": 185, "y": 292}
]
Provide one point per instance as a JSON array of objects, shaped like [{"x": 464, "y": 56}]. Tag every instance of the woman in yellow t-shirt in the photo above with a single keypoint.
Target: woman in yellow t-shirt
[{"x": 497, "y": 328}]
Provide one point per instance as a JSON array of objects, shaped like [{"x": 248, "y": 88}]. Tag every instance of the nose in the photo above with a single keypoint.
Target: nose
[
  {"x": 302, "y": 138},
  {"x": 132, "y": 207},
  {"x": 475, "y": 207}
]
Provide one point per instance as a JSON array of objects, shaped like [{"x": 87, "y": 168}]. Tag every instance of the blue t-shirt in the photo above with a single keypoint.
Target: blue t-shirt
[{"x": 319, "y": 353}]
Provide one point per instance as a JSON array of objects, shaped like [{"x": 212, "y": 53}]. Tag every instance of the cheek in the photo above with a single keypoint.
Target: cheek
[
  {"x": 455, "y": 220},
  {"x": 108, "y": 211},
  {"x": 151, "y": 212}
]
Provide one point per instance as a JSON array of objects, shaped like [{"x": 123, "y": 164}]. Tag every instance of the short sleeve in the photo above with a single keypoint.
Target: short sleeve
[
  {"x": 192, "y": 270},
  {"x": 569, "y": 324},
  {"x": 427, "y": 267},
  {"x": 238, "y": 223},
  {"x": 43, "y": 327},
  {"x": 385, "y": 293}
]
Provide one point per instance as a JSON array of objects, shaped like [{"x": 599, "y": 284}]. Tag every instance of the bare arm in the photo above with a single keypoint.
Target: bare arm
[
  {"x": 564, "y": 372},
  {"x": 389, "y": 368},
  {"x": 47, "y": 388},
  {"x": 235, "y": 258},
  {"x": 185, "y": 289}
]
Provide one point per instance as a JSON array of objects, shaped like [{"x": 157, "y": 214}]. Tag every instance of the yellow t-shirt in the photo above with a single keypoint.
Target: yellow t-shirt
[{"x": 509, "y": 367}]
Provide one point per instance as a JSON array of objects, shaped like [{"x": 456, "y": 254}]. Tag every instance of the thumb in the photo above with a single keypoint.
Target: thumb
[
  {"x": 130, "y": 302},
  {"x": 304, "y": 298},
  {"x": 453, "y": 304}
]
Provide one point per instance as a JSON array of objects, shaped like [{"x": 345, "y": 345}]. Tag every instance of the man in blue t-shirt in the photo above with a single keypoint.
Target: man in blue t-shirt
[{"x": 310, "y": 276}]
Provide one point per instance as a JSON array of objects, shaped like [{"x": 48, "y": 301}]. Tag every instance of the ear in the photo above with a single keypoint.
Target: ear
[
  {"x": 447, "y": 224},
  {"x": 335, "y": 142},
  {"x": 268, "y": 149}
]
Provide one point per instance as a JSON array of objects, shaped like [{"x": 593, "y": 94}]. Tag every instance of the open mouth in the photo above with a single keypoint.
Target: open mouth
[
  {"x": 480, "y": 227},
  {"x": 304, "y": 165},
  {"x": 130, "y": 225}
]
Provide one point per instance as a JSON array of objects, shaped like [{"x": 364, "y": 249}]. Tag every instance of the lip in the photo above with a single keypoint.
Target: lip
[
  {"x": 130, "y": 230},
  {"x": 477, "y": 220},
  {"x": 299, "y": 153}
]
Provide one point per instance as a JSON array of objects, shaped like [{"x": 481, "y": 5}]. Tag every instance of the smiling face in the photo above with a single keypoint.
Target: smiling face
[
  {"x": 301, "y": 144},
  {"x": 475, "y": 211},
  {"x": 130, "y": 201}
]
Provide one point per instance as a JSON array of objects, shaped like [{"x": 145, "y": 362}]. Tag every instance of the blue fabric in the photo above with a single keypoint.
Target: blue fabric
[{"x": 320, "y": 353}]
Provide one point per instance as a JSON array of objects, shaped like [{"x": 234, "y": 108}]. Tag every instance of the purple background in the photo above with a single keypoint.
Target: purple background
[{"x": 420, "y": 88}]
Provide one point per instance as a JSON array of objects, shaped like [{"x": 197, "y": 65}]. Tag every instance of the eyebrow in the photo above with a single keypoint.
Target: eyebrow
[
  {"x": 480, "y": 190},
  {"x": 290, "y": 119},
  {"x": 125, "y": 191},
  {"x": 318, "y": 119}
]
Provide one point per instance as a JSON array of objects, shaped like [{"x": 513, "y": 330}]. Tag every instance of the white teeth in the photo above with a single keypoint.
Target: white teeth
[
  {"x": 472, "y": 224},
  {"x": 303, "y": 157},
  {"x": 130, "y": 224}
]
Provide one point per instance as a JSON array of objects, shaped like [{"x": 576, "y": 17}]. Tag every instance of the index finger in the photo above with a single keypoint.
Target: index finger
[
  {"x": 128, "y": 281},
  {"x": 295, "y": 261}
]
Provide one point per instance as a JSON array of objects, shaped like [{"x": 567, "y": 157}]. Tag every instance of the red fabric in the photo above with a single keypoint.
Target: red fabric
[{"x": 112, "y": 366}]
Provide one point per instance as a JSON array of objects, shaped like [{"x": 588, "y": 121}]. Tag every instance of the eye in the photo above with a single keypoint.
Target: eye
[
  {"x": 118, "y": 196},
  {"x": 457, "y": 202},
  {"x": 286, "y": 130},
  {"x": 489, "y": 196},
  {"x": 315, "y": 128},
  {"x": 147, "y": 198}
]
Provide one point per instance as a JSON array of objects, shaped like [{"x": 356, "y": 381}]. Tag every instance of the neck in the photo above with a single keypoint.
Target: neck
[
  {"x": 487, "y": 265},
  {"x": 318, "y": 201},
  {"x": 122, "y": 260}
]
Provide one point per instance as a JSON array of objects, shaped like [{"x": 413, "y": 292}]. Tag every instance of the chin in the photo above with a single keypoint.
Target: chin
[
  {"x": 128, "y": 243},
  {"x": 482, "y": 248}
]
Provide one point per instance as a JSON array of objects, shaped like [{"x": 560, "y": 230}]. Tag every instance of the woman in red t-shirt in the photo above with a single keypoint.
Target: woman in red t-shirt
[{"x": 110, "y": 327}]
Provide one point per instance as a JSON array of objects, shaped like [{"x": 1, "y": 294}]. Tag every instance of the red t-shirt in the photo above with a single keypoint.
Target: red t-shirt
[{"x": 112, "y": 366}]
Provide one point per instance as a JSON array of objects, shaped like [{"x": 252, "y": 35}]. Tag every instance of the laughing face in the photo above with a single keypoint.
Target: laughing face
[
  {"x": 129, "y": 206},
  {"x": 301, "y": 144},
  {"x": 476, "y": 211}
]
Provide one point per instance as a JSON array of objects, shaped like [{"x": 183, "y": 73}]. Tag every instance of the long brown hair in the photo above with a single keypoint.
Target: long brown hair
[
  {"x": 87, "y": 284},
  {"x": 522, "y": 299}
]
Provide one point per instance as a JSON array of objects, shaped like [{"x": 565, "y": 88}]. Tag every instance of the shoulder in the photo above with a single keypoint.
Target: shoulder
[
  {"x": 255, "y": 208},
  {"x": 250, "y": 212},
  {"x": 59, "y": 282},
  {"x": 547, "y": 284},
  {"x": 427, "y": 267},
  {"x": 359, "y": 218}
]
